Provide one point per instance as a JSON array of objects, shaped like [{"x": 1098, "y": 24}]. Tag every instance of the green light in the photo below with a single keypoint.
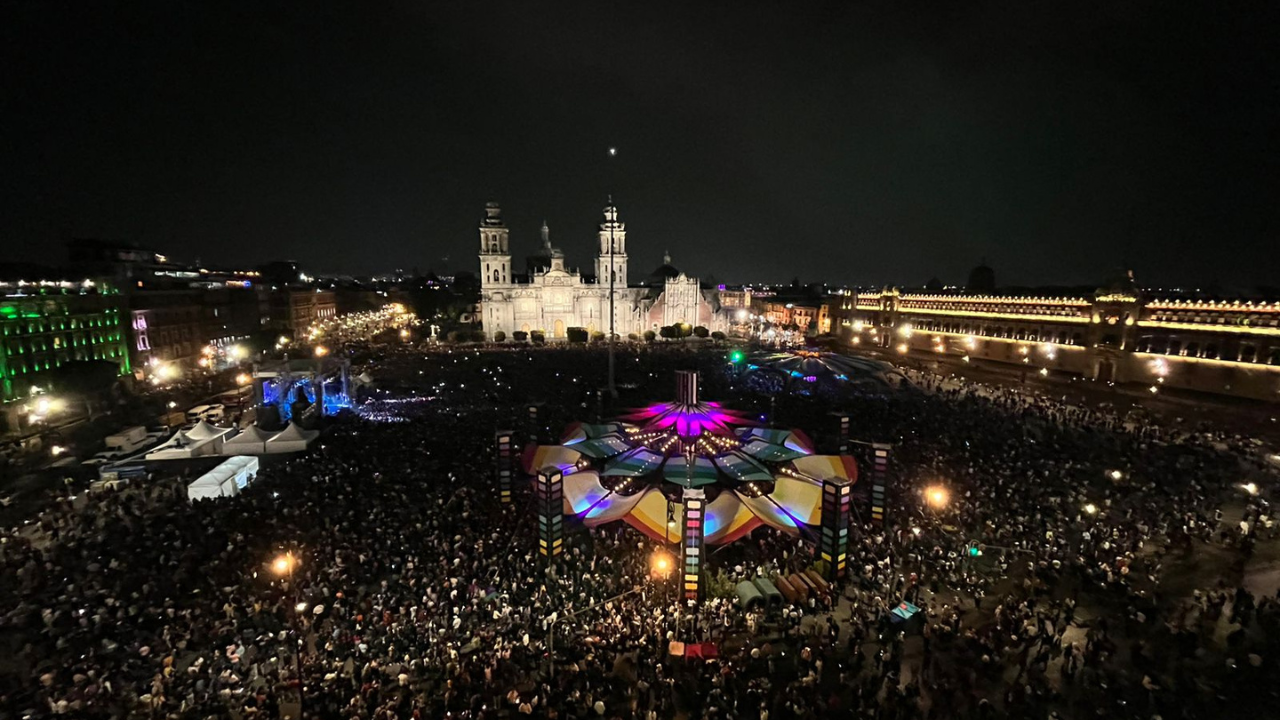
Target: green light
[
  {"x": 736, "y": 357},
  {"x": 974, "y": 551}
]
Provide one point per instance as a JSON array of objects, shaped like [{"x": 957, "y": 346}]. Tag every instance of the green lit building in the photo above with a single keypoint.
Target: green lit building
[{"x": 43, "y": 325}]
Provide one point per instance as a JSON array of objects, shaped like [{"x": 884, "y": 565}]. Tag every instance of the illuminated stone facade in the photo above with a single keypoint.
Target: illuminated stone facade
[
  {"x": 553, "y": 298},
  {"x": 1229, "y": 347}
]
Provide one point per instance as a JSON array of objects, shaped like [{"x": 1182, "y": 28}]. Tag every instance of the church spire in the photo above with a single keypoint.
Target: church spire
[
  {"x": 666, "y": 257},
  {"x": 546, "y": 236}
]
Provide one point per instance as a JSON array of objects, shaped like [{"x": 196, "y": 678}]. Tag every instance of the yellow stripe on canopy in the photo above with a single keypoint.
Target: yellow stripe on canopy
[{"x": 650, "y": 516}]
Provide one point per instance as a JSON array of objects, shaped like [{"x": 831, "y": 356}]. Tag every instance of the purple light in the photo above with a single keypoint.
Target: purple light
[{"x": 688, "y": 421}]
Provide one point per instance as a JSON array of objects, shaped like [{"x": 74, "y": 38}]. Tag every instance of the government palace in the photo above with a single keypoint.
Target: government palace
[{"x": 550, "y": 298}]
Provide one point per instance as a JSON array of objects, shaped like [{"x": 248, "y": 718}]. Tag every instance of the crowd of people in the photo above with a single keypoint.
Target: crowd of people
[{"x": 379, "y": 576}]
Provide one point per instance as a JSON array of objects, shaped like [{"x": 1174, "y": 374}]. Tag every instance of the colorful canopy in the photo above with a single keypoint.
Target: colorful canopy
[
  {"x": 577, "y": 432},
  {"x": 792, "y": 439},
  {"x": 537, "y": 457},
  {"x": 636, "y": 462},
  {"x": 769, "y": 452},
  {"x": 602, "y": 447},
  {"x": 701, "y": 472},
  {"x": 824, "y": 467},
  {"x": 742, "y": 468},
  {"x": 687, "y": 420},
  {"x": 638, "y": 470}
]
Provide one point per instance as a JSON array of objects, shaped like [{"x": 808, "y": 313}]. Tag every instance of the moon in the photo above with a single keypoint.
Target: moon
[{"x": 613, "y": 151}]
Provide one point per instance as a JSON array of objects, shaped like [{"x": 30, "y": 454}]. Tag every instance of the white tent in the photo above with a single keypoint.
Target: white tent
[
  {"x": 251, "y": 441},
  {"x": 202, "y": 440},
  {"x": 291, "y": 439},
  {"x": 225, "y": 480}
]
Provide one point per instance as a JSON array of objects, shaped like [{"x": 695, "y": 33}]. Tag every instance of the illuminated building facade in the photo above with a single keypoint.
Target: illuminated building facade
[
  {"x": 43, "y": 325},
  {"x": 552, "y": 298},
  {"x": 167, "y": 326},
  {"x": 1118, "y": 335}
]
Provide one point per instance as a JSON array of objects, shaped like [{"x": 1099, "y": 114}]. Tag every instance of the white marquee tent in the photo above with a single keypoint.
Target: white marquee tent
[
  {"x": 291, "y": 439},
  {"x": 225, "y": 480},
  {"x": 200, "y": 441},
  {"x": 251, "y": 441}
]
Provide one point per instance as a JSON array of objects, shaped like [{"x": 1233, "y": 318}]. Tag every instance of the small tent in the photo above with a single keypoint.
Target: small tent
[
  {"x": 200, "y": 441},
  {"x": 251, "y": 441},
  {"x": 227, "y": 479},
  {"x": 291, "y": 439}
]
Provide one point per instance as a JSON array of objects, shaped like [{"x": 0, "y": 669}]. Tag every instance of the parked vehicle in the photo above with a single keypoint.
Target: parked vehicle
[{"x": 128, "y": 440}]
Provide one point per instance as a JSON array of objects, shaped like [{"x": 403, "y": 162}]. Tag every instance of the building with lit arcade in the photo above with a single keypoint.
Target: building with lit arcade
[{"x": 1119, "y": 334}]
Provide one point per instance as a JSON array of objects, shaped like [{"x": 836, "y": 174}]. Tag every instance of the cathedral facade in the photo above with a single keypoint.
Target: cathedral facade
[{"x": 549, "y": 297}]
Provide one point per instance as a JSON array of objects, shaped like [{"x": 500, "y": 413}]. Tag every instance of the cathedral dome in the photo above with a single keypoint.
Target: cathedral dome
[{"x": 663, "y": 272}]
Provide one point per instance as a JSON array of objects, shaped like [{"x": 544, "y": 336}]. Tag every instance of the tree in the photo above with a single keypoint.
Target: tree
[
  {"x": 520, "y": 336},
  {"x": 633, "y": 337},
  {"x": 668, "y": 332},
  {"x": 683, "y": 330},
  {"x": 701, "y": 331},
  {"x": 597, "y": 336},
  {"x": 452, "y": 336},
  {"x": 717, "y": 335},
  {"x": 649, "y": 336},
  {"x": 499, "y": 336},
  {"x": 576, "y": 334},
  {"x": 538, "y": 337},
  {"x": 89, "y": 380}
]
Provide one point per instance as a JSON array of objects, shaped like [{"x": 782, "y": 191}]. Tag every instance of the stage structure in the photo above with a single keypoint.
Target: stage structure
[
  {"x": 323, "y": 384},
  {"x": 803, "y": 371},
  {"x": 694, "y": 473}
]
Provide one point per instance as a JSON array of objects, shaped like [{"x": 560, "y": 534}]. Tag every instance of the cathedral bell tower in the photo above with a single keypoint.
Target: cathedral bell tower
[
  {"x": 612, "y": 233},
  {"x": 495, "y": 252}
]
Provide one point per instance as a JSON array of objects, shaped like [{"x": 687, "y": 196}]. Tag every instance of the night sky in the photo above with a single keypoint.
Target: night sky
[{"x": 868, "y": 143}]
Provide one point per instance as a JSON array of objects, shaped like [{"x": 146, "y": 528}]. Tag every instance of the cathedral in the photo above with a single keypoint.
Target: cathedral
[{"x": 552, "y": 298}]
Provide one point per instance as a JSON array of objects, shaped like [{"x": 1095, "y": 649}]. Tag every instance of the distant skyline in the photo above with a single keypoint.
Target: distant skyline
[{"x": 851, "y": 143}]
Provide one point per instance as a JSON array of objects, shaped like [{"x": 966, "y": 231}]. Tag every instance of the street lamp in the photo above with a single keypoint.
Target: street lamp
[
  {"x": 937, "y": 496},
  {"x": 284, "y": 564},
  {"x": 1091, "y": 509},
  {"x": 321, "y": 351}
]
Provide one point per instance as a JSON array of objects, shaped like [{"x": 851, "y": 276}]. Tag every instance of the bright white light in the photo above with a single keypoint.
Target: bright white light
[
  {"x": 906, "y": 330},
  {"x": 1044, "y": 372},
  {"x": 1251, "y": 488},
  {"x": 1091, "y": 509},
  {"x": 613, "y": 152}
]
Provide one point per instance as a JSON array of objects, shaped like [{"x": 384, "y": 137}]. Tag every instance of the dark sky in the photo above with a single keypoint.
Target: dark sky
[{"x": 848, "y": 142}]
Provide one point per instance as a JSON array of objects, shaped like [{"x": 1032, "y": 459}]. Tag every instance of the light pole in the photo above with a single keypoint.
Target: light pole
[
  {"x": 283, "y": 565},
  {"x": 613, "y": 389}
]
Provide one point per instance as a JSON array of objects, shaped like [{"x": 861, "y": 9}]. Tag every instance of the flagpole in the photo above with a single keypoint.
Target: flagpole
[{"x": 613, "y": 388}]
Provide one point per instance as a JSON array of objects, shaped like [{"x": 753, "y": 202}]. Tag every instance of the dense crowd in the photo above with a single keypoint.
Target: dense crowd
[{"x": 1109, "y": 582}]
